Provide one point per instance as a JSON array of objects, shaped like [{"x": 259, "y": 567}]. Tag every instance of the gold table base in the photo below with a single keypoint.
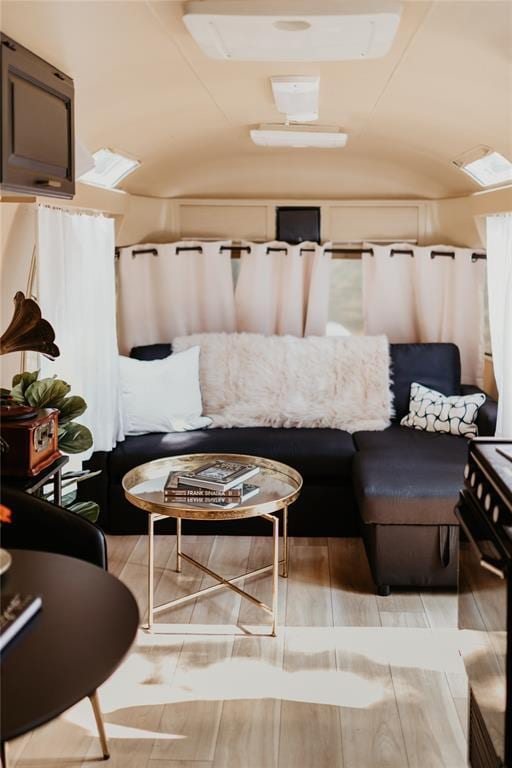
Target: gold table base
[{"x": 223, "y": 583}]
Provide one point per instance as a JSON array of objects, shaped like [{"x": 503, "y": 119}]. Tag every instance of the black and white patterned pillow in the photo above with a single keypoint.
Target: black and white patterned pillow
[{"x": 432, "y": 411}]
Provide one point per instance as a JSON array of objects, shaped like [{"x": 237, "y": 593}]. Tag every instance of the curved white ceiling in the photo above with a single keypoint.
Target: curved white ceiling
[{"x": 143, "y": 87}]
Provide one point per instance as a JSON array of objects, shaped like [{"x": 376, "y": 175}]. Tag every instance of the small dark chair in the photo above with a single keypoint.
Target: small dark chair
[{"x": 45, "y": 527}]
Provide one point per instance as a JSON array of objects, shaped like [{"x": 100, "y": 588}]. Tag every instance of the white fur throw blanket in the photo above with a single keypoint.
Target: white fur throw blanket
[{"x": 250, "y": 380}]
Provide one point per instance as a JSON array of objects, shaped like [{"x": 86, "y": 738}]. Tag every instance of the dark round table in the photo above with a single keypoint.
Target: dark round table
[{"x": 86, "y": 626}]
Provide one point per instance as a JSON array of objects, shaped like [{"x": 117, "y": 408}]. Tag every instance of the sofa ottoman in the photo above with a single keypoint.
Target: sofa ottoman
[
  {"x": 407, "y": 481},
  {"x": 406, "y": 485}
]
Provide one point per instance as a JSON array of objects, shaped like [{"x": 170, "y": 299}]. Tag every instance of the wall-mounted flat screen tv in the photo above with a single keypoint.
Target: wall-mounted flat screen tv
[
  {"x": 37, "y": 124},
  {"x": 297, "y": 224}
]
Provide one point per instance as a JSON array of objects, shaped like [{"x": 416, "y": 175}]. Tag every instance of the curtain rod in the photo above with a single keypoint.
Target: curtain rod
[
  {"x": 338, "y": 252},
  {"x": 76, "y": 210}
]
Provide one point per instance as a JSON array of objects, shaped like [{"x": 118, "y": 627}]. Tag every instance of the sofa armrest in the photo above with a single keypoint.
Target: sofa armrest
[{"x": 486, "y": 419}]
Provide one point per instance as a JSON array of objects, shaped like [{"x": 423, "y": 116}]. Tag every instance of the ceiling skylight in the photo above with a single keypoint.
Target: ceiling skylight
[
  {"x": 487, "y": 167},
  {"x": 109, "y": 168}
]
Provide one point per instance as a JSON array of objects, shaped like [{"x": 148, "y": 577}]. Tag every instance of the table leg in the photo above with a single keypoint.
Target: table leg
[
  {"x": 95, "y": 702},
  {"x": 275, "y": 574},
  {"x": 151, "y": 524},
  {"x": 178, "y": 545},
  {"x": 57, "y": 488},
  {"x": 285, "y": 542}
]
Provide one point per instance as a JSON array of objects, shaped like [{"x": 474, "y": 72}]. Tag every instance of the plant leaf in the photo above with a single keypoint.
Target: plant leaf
[
  {"x": 88, "y": 509},
  {"x": 24, "y": 378},
  {"x": 68, "y": 499},
  {"x": 20, "y": 383},
  {"x": 46, "y": 393},
  {"x": 70, "y": 408},
  {"x": 74, "y": 438},
  {"x": 17, "y": 395},
  {"x": 68, "y": 477}
]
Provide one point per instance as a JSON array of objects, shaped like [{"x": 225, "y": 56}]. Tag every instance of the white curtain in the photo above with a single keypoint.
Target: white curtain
[
  {"x": 184, "y": 288},
  {"x": 499, "y": 281},
  {"x": 388, "y": 296},
  {"x": 76, "y": 293},
  {"x": 283, "y": 289},
  {"x": 423, "y": 299}
]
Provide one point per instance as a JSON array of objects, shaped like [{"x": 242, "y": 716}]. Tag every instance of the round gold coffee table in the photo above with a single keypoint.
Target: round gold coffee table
[{"x": 279, "y": 484}]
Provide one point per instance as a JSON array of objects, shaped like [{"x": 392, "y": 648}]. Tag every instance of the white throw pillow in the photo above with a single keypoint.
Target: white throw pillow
[
  {"x": 434, "y": 412},
  {"x": 162, "y": 395}
]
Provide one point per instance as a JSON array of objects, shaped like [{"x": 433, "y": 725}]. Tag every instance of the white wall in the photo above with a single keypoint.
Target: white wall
[
  {"x": 461, "y": 220},
  {"x": 341, "y": 220}
]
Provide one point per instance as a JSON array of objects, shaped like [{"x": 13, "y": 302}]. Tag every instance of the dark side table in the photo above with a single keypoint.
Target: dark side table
[
  {"x": 85, "y": 628},
  {"x": 33, "y": 484}
]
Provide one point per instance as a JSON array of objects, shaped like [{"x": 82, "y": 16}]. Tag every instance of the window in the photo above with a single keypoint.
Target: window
[
  {"x": 346, "y": 298},
  {"x": 487, "y": 167},
  {"x": 109, "y": 168}
]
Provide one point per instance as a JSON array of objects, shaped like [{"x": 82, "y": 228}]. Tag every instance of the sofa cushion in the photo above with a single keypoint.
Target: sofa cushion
[
  {"x": 431, "y": 411},
  {"x": 406, "y": 442},
  {"x": 402, "y": 476},
  {"x": 151, "y": 351},
  {"x": 436, "y": 366},
  {"x": 315, "y": 453}
]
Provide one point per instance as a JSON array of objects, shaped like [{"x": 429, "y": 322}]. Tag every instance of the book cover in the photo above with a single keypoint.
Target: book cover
[
  {"x": 224, "y": 500},
  {"x": 218, "y": 475},
  {"x": 190, "y": 492},
  {"x": 15, "y": 611}
]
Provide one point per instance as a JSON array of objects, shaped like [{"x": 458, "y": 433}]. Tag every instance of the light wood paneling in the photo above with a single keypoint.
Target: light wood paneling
[
  {"x": 196, "y": 708},
  {"x": 371, "y": 735},
  {"x": 351, "y": 681},
  {"x": 309, "y": 595},
  {"x": 310, "y": 729},
  {"x": 441, "y": 609},
  {"x": 249, "y": 728},
  {"x": 366, "y": 222},
  {"x": 353, "y": 599},
  {"x": 231, "y": 221}
]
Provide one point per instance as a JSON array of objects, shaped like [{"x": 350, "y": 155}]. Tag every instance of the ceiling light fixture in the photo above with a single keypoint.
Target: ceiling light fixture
[
  {"x": 298, "y": 136},
  {"x": 296, "y": 97},
  {"x": 278, "y": 30}
]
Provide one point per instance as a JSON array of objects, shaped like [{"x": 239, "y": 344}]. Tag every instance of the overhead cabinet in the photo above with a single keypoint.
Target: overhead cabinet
[{"x": 37, "y": 124}]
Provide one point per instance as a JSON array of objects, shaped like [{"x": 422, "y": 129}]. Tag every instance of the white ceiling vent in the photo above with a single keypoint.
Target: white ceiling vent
[
  {"x": 298, "y": 136},
  {"x": 296, "y": 97},
  {"x": 305, "y": 30}
]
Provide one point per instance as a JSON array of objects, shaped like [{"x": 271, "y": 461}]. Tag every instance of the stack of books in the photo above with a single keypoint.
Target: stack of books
[
  {"x": 221, "y": 483},
  {"x": 15, "y": 611}
]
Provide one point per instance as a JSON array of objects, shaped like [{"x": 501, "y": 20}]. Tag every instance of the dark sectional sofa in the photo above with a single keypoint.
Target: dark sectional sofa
[{"x": 398, "y": 486}]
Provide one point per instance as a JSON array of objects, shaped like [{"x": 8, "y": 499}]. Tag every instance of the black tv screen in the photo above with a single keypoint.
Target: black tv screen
[
  {"x": 297, "y": 224},
  {"x": 37, "y": 141}
]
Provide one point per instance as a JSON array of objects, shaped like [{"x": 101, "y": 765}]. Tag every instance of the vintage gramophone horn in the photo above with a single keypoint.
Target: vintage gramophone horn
[{"x": 28, "y": 331}]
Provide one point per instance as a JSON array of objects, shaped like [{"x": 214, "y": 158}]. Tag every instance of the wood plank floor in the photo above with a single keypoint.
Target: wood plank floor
[{"x": 352, "y": 680}]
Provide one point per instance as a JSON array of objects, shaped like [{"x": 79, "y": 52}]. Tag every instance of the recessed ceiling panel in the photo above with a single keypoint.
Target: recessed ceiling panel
[{"x": 259, "y": 30}]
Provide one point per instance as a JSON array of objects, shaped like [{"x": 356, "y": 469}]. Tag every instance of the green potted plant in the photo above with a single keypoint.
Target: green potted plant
[
  {"x": 29, "y": 331},
  {"x": 29, "y": 389}
]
